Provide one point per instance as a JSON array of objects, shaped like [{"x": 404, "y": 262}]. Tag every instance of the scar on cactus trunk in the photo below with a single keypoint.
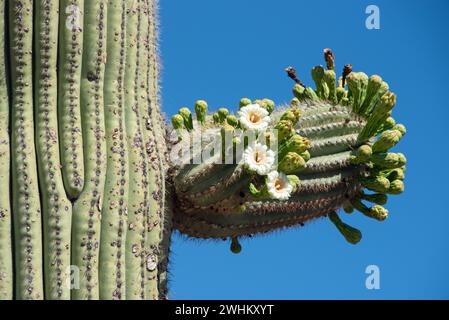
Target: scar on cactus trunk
[{"x": 93, "y": 181}]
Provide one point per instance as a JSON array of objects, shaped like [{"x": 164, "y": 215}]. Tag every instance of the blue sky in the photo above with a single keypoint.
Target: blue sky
[{"x": 222, "y": 50}]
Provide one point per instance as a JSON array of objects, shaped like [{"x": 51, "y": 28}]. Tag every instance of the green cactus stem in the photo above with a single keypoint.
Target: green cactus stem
[
  {"x": 6, "y": 258},
  {"x": 26, "y": 203},
  {"x": 56, "y": 207},
  {"x": 71, "y": 15},
  {"x": 87, "y": 208}
]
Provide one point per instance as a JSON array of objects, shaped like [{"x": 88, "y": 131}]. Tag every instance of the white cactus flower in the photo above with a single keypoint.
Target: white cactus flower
[
  {"x": 258, "y": 158},
  {"x": 278, "y": 185},
  {"x": 254, "y": 117}
]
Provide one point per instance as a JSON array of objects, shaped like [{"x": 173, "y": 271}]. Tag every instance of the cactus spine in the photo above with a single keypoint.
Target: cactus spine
[{"x": 88, "y": 191}]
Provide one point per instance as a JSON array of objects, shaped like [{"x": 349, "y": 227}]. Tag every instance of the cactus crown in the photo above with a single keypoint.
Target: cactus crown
[{"x": 309, "y": 159}]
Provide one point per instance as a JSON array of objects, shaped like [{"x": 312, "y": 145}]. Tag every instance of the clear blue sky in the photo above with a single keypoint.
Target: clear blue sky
[{"x": 222, "y": 50}]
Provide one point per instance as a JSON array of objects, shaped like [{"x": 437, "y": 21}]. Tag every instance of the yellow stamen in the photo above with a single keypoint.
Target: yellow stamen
[{"x": 254, "y": 118}]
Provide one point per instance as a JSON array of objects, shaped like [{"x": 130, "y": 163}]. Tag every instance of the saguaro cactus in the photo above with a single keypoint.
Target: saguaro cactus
[{"x": 92, "y": 179}]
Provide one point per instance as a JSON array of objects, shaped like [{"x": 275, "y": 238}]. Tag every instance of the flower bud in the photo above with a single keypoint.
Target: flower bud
[
  {"x": 235, "y": 245},
  {"x": 232, "y": 120},
  {"x": 222, "y": 114},
  {"x": 387, "y": 140},
  {"x": 351, "y": 234},
  {"x": 396, "y": 187},
  {"x": 244, "y": 102},
  {"x": 187, "y": 116},
  {"x": 285, "y": 129},
  {"x": 201, "y": 111},
  {"x": 291, "y": 163}
]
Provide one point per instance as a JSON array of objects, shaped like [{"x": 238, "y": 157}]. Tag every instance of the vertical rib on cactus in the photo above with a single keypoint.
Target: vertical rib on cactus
[
  {"x": 6, "y": 264},
  {"x": 56, "y": 207},
  {"x": 87, "y": 208},
  {"x": 114, "y": 219},
  {"x": 26, "y": 205},
  {"x": 152, "y": 222},
  {"x": 138, "y": 182},
  {"x": 162, "y": 222},
  {"x": 69, "y": 115}
]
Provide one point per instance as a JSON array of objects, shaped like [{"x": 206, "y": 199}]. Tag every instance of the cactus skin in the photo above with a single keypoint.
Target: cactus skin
[
  {"x": 6, "y": 259},
  {"x": 87, "y": 208},
  {"x": 85, "y": 176},
  {"x": 26, "y": 203},
  {"x": 56, "y": 207},
  {"x": 69, "y": 112},
  {"x": 114, "y": 220}
]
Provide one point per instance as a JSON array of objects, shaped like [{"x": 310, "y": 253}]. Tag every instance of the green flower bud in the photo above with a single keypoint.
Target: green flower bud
[
  {"x": 396, "y": 187},
  {"x": 258, "y": 193},
  {"x": 216, "y": 118},
  {"x": 401, "y": 128},
  {"x": 396, "y": 174},
  {"x": 268, "y": 105},
  {"x": 232, "y": 120},
  {"x": 377, "y": 198},
  {"x": 357, "y": 84},
  {"x": 222, "y": 114},
  {"x": 352, "y": 235},
  {"x": 378, "y": 212},
  {"x": 235, "y": 245},
  {"x": 291, "y": 163},
  {"x": 364, "y": 153},
  {"x": 201, "y": 111},
  {"x": 289, "y": 115},
  {"x": 318, "y": 77},
  {"x": 330, "y": 79},
  {"x": 296, "y": 144},
  {"x": 305, "y": 155},
  {"x": 388, "y": 160},
  {"x": 294, "y": 181},
  {"x": 295, "y": 102},
  {"x": 341, "y": 93},
  {"x": 285, "y": 129},
  {"x": 386, "y": 103},
  {"x": 297, "y": 113},
  {"x": 244, "y": 102},
  {"x": 187, "y": 116},
  {"x": 388, "y": 124},
  {"x": 387, "y": 140},
  {"x": 378, "y": 184},
  {"x": 298, "y": 91},
  {"x": 310, "y": 94},
  {"x": 177, "y": 121}
]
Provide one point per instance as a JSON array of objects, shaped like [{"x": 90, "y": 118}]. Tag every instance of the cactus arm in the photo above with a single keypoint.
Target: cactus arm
[
  {"x": 56, "y": 208},
  {"x": 87, "y": 209},
  {"x": 114, "y": 220},
  {"x": 6, "y": 264},
  {"x": 69, "y": 116},
  {"x": 138, "y": 182},
  {"x": 26, "y": 204}
]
